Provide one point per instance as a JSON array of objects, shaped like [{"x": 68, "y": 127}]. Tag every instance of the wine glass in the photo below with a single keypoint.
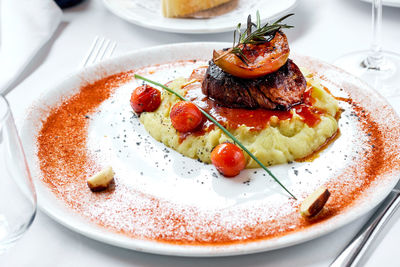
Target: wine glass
[
  {"x": 380, "y": 69},
  {"x": 17, "y": 192}
]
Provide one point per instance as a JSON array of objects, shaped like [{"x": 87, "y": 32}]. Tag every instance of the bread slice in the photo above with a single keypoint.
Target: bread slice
[{"x": 181, "y": 8}]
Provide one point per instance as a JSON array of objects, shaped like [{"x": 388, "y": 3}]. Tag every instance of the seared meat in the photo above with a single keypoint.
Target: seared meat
[{"x": 279, "y": 90}]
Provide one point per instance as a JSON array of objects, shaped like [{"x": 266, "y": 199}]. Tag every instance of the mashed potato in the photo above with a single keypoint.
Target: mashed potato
[{"x": 279, "y": 142}]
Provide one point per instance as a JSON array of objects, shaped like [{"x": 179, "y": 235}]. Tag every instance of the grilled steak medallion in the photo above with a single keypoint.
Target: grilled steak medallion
[{"x": 279, "y": 90}]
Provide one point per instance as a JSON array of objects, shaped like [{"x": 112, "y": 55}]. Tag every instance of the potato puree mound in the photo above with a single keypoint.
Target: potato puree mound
[{"x": 280, "y": 142}]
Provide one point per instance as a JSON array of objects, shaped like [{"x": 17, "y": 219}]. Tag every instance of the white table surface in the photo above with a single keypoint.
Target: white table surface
[{"x": 324, "y": 29}]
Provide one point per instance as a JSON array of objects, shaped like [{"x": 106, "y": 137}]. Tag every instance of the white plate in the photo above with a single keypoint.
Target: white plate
[
  {"x": 148, "y": 14},
  {"x": 393, "y": 3},
  {"x": 236, "y": 202}
]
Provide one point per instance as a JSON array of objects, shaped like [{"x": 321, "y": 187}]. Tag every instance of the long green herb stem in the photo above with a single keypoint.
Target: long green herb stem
[{"x": 222, "y": 128}]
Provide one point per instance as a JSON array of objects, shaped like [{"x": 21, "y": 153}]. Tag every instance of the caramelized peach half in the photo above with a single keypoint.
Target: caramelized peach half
[{"x": 262, "y": 58}]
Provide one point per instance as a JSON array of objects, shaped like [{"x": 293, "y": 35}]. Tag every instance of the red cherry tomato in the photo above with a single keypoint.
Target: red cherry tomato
[
  {"x": 185, "y": 116},
  {"x": 228, "y": 159},
  {"x": 145, "y": 98}
]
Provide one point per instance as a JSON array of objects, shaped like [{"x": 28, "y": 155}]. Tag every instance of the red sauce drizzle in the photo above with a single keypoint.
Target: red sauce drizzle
[{"x": 255, "y": 119}]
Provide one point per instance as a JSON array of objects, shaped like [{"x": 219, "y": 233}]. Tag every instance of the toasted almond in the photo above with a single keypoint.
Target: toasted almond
[
  {"x": 101, "y": 180},
  {"x": 314, "y": 203}
]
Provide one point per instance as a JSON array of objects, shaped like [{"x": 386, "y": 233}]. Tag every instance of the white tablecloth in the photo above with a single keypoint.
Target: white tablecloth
[{"x": 324, "y": 29}]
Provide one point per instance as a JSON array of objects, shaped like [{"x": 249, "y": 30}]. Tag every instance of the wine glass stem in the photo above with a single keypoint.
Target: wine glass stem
[{"x": 375, "y": 57}]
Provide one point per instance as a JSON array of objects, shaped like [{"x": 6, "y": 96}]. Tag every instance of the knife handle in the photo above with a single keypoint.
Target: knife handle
[{"x": 354, "y": 251}]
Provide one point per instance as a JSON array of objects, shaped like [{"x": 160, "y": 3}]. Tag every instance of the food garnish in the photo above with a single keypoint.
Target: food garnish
[
  {"x": 256, "y": 53},
  {"x": 222, "y": 128},
  {"x": 314, "y": 202},
  {"x": 145, "y": 98},
  {"x": 185, "y": 116},
  {"x": 228, "y": 159},
  {"x": 101, "y": 180}
]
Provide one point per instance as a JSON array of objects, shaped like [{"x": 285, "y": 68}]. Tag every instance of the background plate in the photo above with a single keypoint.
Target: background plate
[{"x": 148, "y": 14}]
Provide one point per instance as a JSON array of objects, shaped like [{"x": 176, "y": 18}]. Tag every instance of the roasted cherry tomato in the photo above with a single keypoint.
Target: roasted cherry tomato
[
  {"x": 185, "y": 116},
  {"x": 228, "y": 159},
  {"x": 145, "y": 98},
  {"x": 262, "y": 58}
]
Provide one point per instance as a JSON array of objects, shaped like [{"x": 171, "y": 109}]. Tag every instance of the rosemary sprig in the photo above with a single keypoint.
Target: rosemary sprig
[
  {"x": 262, "y": 34},
  {"x": 222, "y": 128}
]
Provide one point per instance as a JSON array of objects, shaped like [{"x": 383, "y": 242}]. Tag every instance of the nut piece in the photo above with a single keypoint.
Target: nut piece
[
  {"x": 314, "y": 202},
  {"x": 101, "y": 180}
]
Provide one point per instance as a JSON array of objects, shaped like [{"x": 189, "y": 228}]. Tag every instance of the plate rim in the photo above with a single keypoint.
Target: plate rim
[{"x": 161, "y": 248}]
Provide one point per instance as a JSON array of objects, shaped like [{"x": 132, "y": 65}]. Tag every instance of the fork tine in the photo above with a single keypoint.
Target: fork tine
[
  {"x": 101, "y": 48},
  {"x": 97, "y": 51},
  {"x": 111, "y": 50},
  {"x": 102, "y": 51},
  {"x": 91, "y": 50}
]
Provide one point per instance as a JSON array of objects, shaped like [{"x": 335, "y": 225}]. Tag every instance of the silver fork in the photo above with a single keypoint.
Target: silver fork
[{"x": 100, "y": 49}]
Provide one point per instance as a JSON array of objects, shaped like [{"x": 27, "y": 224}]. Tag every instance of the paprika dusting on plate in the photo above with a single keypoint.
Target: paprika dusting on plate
[
  {"x": 255, "y": 119},
  {"x": 66, "y": 161}
]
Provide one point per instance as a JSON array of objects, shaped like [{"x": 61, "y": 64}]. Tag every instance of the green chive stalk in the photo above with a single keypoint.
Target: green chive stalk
[{"x": 222, "y": 128}]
